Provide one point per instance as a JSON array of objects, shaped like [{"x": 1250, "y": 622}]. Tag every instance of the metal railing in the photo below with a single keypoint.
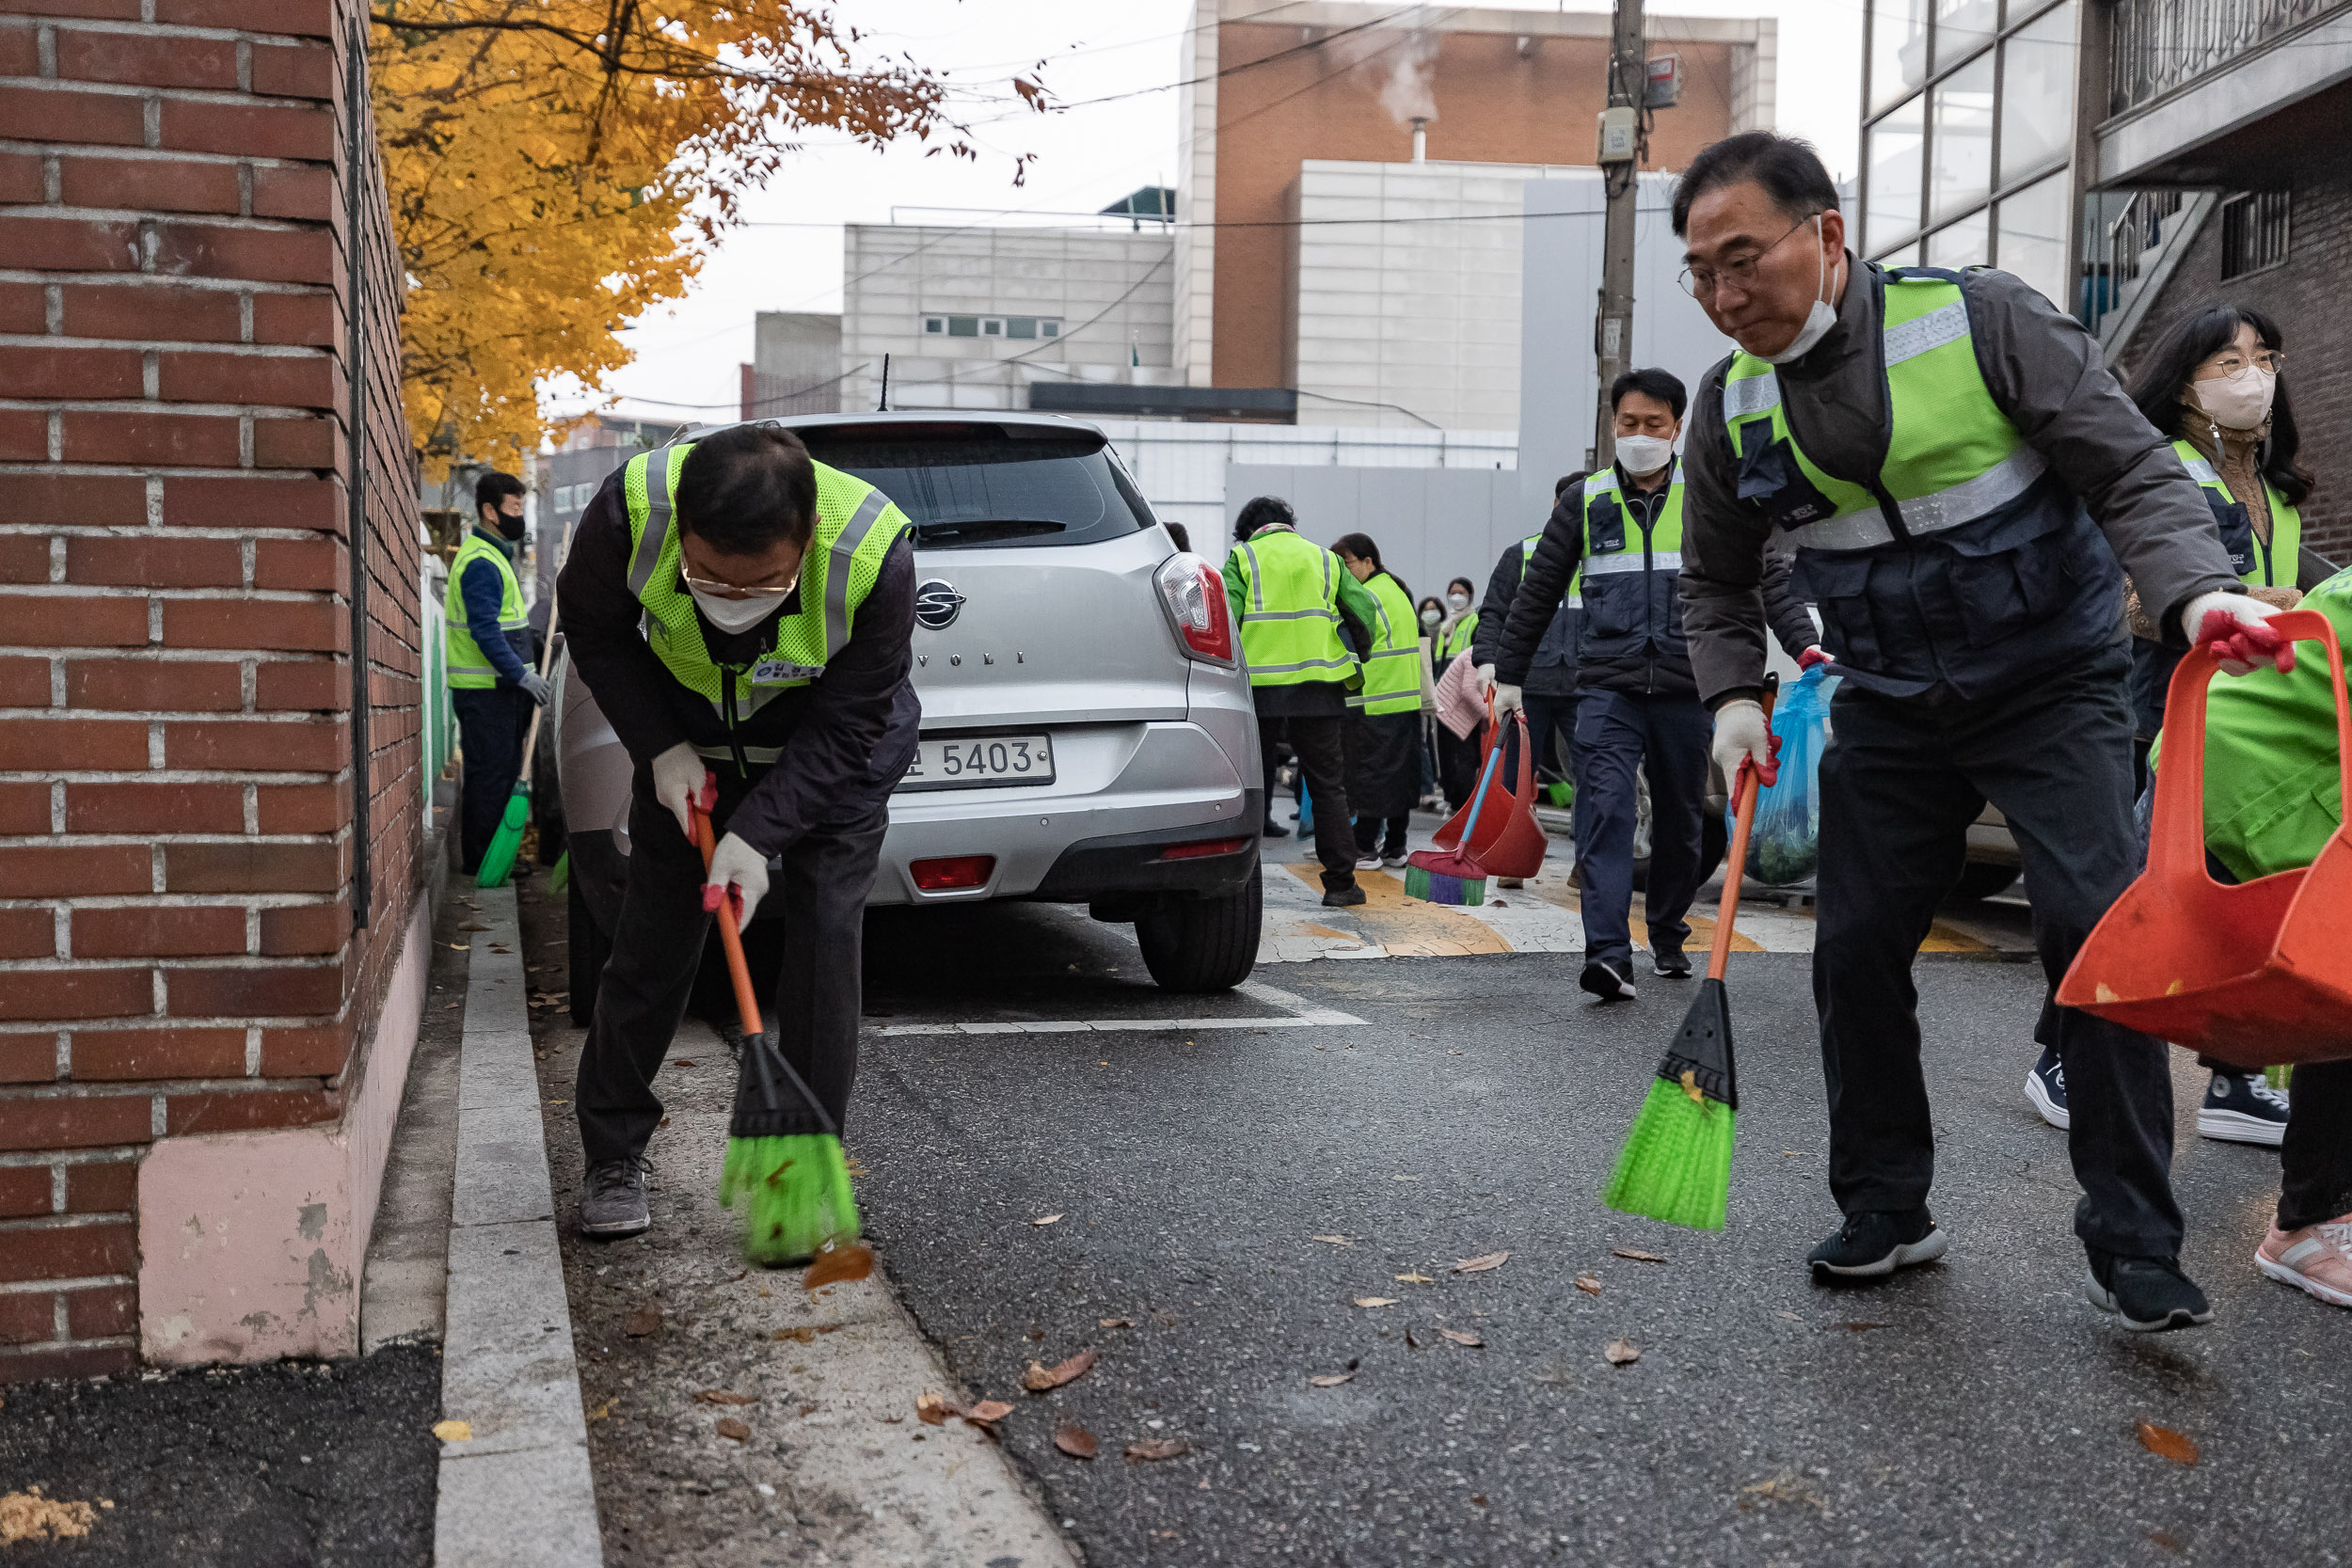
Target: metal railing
[
  {"x": 2135, "y": 231},
  {"x": 2156, "y": 45}
]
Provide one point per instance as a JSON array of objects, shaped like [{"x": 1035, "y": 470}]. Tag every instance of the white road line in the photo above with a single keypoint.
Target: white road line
[{"x": 1301, "y": 1014}]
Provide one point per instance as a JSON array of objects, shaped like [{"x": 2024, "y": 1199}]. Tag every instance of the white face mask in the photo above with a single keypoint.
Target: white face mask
[
  {"x": 735, "y": 614},
  {"x": 2240, "y": 404},
  {"x": 1644, "y": 455},
  {"x": 1459, "y": 601},
  {"x": 1430, "y": 616},
  {"x": 1823, "y": 315}
]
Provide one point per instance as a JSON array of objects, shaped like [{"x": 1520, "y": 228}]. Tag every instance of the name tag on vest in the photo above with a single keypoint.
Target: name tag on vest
[{"x": 782, "y": 669}]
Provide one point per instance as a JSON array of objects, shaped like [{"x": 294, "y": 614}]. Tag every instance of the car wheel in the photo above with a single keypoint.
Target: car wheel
[
  {"x": 1203, "y": 944},
  {"x": 590, "y": 947},
  {"x": 1714, "y": 843},
  {"x": 1983, "y": 879}
]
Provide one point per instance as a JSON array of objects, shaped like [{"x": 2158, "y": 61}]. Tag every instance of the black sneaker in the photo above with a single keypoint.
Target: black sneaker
[
  {"x": 1671, "y": 963},
  {"x": 2151, "y": 1294},
  {"x": 1608, "y": 981},
  {"x": 1877, "y": 1242},
  {"x": 1343, "y": 897},
  {"x": 2243, "y": 1108},
  {"x": 2046, "y": 1089},
  {"x": 1275, "y": 829},
  {"x": 613, "y": 1201}
]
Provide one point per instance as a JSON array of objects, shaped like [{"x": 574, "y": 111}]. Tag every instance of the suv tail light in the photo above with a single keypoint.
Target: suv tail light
[
  {"x": 1194, "y": 594},
  {"x": 952, "y": 871}
]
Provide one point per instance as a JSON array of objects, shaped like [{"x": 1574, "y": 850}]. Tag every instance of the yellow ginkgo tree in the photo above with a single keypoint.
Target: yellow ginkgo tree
[{"x": 557, "y": 166}]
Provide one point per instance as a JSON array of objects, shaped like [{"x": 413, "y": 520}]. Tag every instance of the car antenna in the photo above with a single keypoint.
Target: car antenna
[{"x": 883, "y": 406}]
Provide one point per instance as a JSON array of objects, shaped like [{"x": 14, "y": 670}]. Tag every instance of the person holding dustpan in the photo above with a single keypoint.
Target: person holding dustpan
[
  {"x": 745, "y": 617},
  {"x": 1959, "y": 475}
]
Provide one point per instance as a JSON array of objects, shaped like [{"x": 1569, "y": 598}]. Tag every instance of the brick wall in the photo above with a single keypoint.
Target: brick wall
[
  {"x": 179, "y": 864},
  {"x": 2302, "y": 297}
]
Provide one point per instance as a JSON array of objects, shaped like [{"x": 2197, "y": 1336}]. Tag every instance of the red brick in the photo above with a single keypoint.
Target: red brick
[
  {"x": 302, "y": 808},
  {"x": 150, "y": 808},
  {"x": 190, "y": 249},
  {"x": 157, "y": 184},
  {"x": 158, "y": 931},
  {"x": 147, "y": 60},
  {"x": 293, "y": 70},
  {"x": 292, "y": 625},
  {"x": 304, "y": 18},
  {"x": 286, "y": 380},
  {"x": 310, "y": 686},
  {"x": 64, "y": 114},
  {"x": 73, "y": 870},
  {"x": 69, "y": 245},
  {"x": 120, "y": 560},
  {"x": 101, "y": 1186},
  {"x": 148, "y": 685},
  {"x": 24, "y": 308},
  {"x": 27, "y": 934},
  {"x": 249, "y": 130},
  {"x": 244, "y": 1111},
  {"x": 315, "y": 565},
  {"x": 42, "y": 1363},
  {"x": 70, "y": 993},
  {"x": 252, "y": 868},
  {"x": 24, "y": 435},
  {"x": 319, "y": 1051},
  {"x": 28, "y": 1058},
  {"x": 21, "y": 179},
  {"x": 103, "y": 11},
  {"x": 39, "y": 745},
  {"x": 24, "y": 808},
  {"x": 294, "y": 443},
  {"x": 303, "y": 191},
  {"x": 307, "y": 319},
  {"x": 178, "y": 441},
  {"x": 27, "y": 1317},
  {"x": 147, "y": 312},
  {"x": 24, "y": 683},
  {"x": 94, "y": 500},
  {"x": 24, "y": 558},
  {"x": 303, "y": 929},
  {"x": 287, "y": 502},
  {"x": 42, "y": 370},
  {"x": 102, "y": 1313},
  {"x": 70, "y": 1251},
  {"x": 25, "y": 1190},
  {"x": 73, "y": 621},
  {"x": 103, "y": 1054},
  {"x": 20, "y": 46}
]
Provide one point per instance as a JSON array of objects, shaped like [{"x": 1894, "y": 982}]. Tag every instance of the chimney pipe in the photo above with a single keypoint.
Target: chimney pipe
[{"x": 1420, "y": 140}]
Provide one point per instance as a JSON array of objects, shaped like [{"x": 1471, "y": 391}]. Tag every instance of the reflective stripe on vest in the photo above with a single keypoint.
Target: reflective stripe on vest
[
  {"x": 1392, "y": 679},
  {"x": 2276, "y": 565},
  {"x": 466, "y": 665},
  {"x": 1609, "y": 581},
  {"x": 1290, "y": 621}
]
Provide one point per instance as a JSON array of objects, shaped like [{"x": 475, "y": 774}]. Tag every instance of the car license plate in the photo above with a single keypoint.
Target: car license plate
[{"x": 974, "y": 762}]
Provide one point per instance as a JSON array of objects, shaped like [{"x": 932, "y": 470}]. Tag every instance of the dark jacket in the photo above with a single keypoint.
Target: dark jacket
[
  {"x": 1656, "y": 667},
  {"x": 847, "y": 736},
  {"x": 1551, "y": 669},
  {"x": 2045, "y": 373}
]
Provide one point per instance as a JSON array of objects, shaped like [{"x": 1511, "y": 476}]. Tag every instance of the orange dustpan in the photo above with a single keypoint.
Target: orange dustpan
[
  {"x": 1504, "y": 838},
  {"x": 2253, "y": 974}
]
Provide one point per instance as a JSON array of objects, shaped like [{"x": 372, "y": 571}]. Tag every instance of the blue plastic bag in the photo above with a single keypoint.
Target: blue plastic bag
[{"x": 1784, "y": 846}]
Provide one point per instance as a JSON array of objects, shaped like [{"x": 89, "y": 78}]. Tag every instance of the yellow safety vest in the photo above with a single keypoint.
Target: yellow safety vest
[{"x": 470, "y": 668}]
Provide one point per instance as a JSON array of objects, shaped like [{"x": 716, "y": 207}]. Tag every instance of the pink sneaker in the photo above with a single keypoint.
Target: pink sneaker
[{"x": 2316, "y": 1258}]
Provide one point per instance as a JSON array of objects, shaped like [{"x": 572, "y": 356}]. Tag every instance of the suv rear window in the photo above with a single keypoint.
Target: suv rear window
[{"x": 981, "y": 486}]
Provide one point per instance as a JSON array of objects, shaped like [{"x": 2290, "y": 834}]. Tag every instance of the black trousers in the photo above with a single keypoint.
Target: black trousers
[
  {"x": 490, "y": 728},
  {"x": 1667, "y": 738},
  {"x": 1899, "y": 785},
  {"x": 822, "y": 882},
  {"x": 1551, "y": 725},
  {"x": 1321, "y": 746},
  {"x": 1458, "y": 766}
]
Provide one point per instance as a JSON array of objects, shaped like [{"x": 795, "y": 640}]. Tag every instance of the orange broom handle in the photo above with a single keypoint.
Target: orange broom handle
[
  {"x": 1736, "y": 864},
  {"x": 731, "y": 940}
]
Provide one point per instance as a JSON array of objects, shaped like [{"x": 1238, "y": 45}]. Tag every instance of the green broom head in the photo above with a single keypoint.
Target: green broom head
[
  {"x": 796, "y": 1195},
  {"x": 497, "y": 861},
  {"x": 1676, "y": 1165},
  {"x": 560, "y": 876}
]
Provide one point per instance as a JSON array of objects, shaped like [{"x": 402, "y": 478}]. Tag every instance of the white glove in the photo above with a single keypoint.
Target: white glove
[
  {"x": 2241, "y": 639},
  {"x": 1508, "y": 698},
  {"x": 736, "y": 865},
  {"x": 677, "y": 779},
  {"x": 1742, "y": 735},
  {"x": 1485, "y": 674},
  {"x": 536, "y": 686}
]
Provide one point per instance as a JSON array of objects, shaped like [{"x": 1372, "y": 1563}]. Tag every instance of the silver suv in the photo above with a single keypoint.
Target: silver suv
[{"x": 1088, "y": 736}]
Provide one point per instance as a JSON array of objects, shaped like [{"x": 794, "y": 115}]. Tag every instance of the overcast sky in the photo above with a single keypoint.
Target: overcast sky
[{"x": 1087, "y": 158}]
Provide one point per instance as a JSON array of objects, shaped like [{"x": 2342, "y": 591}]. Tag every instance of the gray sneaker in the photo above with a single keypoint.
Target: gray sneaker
[{"x": 613, "y": 1201}]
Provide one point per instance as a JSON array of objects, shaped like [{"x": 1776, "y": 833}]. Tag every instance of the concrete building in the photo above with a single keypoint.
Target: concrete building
[
  {"x": 567, "y": 477},
  {"x": 796, "y": 365}
]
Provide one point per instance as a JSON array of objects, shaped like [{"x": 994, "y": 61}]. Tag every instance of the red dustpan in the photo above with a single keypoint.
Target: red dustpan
[
  {"x": 1504, "y": 838},
  {"x": 2254, "y": 975}
]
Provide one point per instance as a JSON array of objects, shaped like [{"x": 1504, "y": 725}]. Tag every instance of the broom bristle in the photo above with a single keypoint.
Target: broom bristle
[
  {"x": 1676, "y": 1165},
  {"x": 796, "y": 1195},
  {"x": 498, "y": 859}
]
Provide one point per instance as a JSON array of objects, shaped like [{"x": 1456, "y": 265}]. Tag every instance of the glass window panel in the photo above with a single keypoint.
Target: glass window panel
[
  {"x": 1962, "y": 151},
  {"x": 1896, "y": 148},
  {"x": 1899, "y": 50},
  {"x": 1049, "y": 329},
  {"x": 1965, "y": 243},
  {"x": 2032, "y": 229},
  {"x": 2038, "y": 93},
  {"x": 992, "y": 328},
  {"x": 934, "y": 324},
  {"x": 1020, "y": 326},
  {"x": 1962, "y": 27},
  {"x": 964, "y": 326}
]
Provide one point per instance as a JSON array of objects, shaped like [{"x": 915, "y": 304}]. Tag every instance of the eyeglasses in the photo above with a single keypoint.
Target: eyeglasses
[
  {"x": 2230, "y": 364},
  {"x": 1700, "y": 282},
  {"x": 735, "y": 591}
]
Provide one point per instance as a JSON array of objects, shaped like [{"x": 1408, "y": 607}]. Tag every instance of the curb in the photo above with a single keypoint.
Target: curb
[{"x": 516, "y": 1493}]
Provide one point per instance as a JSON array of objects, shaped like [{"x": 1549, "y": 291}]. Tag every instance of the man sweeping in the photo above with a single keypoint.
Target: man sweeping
[{"x": 743, "y": 615}]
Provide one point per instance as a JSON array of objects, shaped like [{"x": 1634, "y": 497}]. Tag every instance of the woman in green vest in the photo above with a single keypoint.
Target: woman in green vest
[{"x": 1384, "y": 732}]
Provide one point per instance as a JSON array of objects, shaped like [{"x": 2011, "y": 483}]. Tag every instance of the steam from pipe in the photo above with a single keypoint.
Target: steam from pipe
[{"x": 1401, "y": 55}]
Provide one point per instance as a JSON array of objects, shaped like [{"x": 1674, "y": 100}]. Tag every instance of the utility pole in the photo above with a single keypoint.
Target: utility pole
[{"x": 1623, "y": 139}]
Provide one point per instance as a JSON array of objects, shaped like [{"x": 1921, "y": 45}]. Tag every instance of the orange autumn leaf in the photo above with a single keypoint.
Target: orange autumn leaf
[{"x": 2178, "y": 1447}]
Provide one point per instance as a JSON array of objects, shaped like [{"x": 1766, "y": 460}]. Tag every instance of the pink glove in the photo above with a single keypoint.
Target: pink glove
[
  {"x": 2234, "y": 628},
  {"x": 1815, "y": 654}
]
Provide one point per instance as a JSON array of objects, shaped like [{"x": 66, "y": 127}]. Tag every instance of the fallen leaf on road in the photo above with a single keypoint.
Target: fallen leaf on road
[
  {"x": 461, "y": 946},
  {"x": 1786, "y": 1488},
  {"x": 932, "y": 1409},
  {"x": 1335, "y": 1241},
  {"x": 1075, "y": 1441},
  {"x": 473, "y": 926},
  {"x": 733, "y": 1430},
  {"x": 1865, "y": 1328},
  {"x": 1481, "y": 1263},
  {"x": 28, "y": 1515},
  {"x": 837, "y": 1263},
  {"x": 1464, "y": 1337},
  {"x": 1622, "y": 1352},
  {"x": 1411, "y": 1343},
  {"x": 453, "y": 1432},
  {"x": 1332, "y": 1380},
  {"x": 988, "y": 1410},
  {"x": 1589, "y": 1284},
  {"x": 1375, "y": 1301},
  {"x": 1115, "y": 1322},
  {"x": 1404, "y": 1178},
  {"x": 1790, "y": 1316},
  {"x": 725, "y": 1396},
  {"x": 1047, "y": 1219},
  {"x": 806, "y": 1333},
  {"x": 1040, "y": 1378},
  {"x": 1414, "y": 1279},
  {"x": 1478, "y": 1500},
  {"x": 600, "y": 1412},
  {"x": 684, "y": 1061},
  {"x": 1638, "y": 1257},
  {"x": 646, "y": 1320},
  {"x": 2178, "y": 1447},
  {"x": 1156, "y": 1448}
]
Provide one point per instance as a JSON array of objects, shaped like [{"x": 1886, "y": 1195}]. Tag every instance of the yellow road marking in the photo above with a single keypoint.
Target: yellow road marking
[{"x": 1406, "y": 927}]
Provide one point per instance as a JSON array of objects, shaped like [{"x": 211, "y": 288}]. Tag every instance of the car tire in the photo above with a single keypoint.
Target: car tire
[
  {"x": 1983, "y": 879},
  {"x": 1714, "y": 843},
  {"x": 590, "y": 947},
  {"x": 1196, "y": 944}
]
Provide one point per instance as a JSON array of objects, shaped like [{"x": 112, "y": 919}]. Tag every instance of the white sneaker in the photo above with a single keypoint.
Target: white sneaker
[{"x": 1367, "y": 862}]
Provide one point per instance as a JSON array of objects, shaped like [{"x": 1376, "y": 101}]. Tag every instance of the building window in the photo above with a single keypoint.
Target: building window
[
  {"x": 1890, "y": 210},
  {"x": 2255, "y": 233},
  {"x": 991, "y": 327},
  {"x": 935, "y": 326},
  {"x": 2030, "y": 237},
  {"x": 964, "y": 326},
  {"x": 1961, "y": 135},
  {"x": 1029, "y": 328},
  {"x": 2038, "y": 94}
]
